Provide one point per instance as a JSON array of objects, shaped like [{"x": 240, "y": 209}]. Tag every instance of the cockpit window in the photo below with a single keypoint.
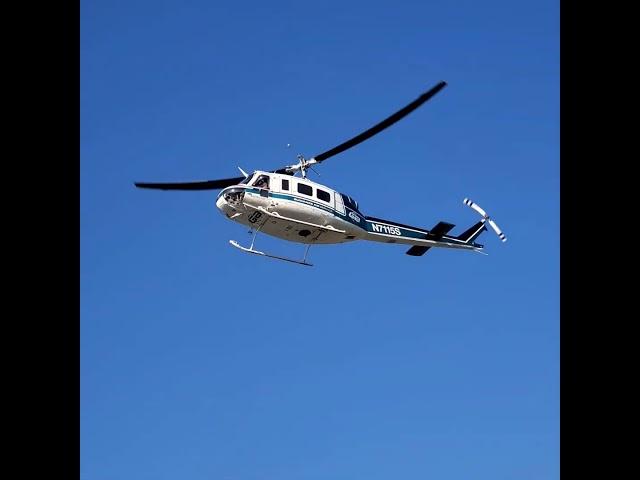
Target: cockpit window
[{"x": 262, "y": 182}]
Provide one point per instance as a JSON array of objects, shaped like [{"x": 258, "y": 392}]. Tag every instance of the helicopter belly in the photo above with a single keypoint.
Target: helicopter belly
[
  {"x": 288, "y": 220},
  {"x": 333, "y": 228},
  {"x": 297, "y": 225}
]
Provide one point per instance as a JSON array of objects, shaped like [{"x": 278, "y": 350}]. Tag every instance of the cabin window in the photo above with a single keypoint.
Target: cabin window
[
  {"x": 322, "y": 195},
  {"x": 285, "y": 184},
  {"x": 305, "y": 189}
]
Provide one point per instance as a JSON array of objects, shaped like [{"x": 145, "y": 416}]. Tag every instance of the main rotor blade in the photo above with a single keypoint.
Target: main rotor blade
[
  {"x": 387, "y": 122},
  {"x": 205, "y": 185}
]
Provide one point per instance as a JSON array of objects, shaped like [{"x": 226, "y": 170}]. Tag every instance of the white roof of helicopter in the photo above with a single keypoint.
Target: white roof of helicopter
[{"x": 301, "y": 180}]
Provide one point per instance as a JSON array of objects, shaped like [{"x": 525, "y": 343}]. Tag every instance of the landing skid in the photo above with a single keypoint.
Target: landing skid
[
  {"x": 257, "y": 252},
  {"x": 277, "y": 257}
]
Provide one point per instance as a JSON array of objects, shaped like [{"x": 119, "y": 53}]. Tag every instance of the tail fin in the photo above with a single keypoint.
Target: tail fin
[{"x": 469, "y": 235}]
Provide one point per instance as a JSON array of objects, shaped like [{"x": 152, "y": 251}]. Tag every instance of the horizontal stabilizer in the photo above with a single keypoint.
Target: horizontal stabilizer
[
  {"x": 417, "y": 250},
  {"x": 442, "y": 228}
]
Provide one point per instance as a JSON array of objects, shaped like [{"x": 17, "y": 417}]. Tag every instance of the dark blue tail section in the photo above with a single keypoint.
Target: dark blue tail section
[
  {"x": 442, "y": 228},
  {"x": 417, "y": 251},
  {"x": 473, "y": 232}
]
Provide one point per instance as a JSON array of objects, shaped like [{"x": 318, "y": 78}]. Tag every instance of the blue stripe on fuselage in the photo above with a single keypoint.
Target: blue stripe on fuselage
[{"x": 312, "y": 203}]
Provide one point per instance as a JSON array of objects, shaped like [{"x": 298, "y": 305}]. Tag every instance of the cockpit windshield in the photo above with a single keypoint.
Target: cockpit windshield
[{"x": 262, "y": 182}]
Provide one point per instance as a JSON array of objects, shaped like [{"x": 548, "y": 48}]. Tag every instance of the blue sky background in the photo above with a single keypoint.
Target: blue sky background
[{"x": 200, "y": 362}]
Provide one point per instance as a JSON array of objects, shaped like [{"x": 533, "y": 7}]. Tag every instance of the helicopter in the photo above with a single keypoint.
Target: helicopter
[{"x": 294, "y": 208}]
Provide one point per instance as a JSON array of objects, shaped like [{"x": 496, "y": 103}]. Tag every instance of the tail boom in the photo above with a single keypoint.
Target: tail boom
[
  {"x": 387, "y": 231},
  {"x": 422, "y": 240}
]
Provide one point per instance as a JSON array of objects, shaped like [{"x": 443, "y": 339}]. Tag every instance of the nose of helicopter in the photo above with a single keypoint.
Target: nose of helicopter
[
  {"x": 228, "y": 200},
  {"x": 223, "y": 206}
]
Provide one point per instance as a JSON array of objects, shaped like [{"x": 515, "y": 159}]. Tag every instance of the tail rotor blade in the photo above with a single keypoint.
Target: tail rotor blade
[
  {"x": 497, "y": 230},
  {"x": 476, "y": 207}
]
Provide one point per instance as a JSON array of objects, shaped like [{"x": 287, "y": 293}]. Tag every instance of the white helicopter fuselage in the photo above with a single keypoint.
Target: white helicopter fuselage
[
  {"x": 293, "y": 208},
  {"x": 300, "y": 210}
]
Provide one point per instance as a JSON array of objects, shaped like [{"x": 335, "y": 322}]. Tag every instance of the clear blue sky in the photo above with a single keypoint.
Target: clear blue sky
[{"x": 200, "y": 362}]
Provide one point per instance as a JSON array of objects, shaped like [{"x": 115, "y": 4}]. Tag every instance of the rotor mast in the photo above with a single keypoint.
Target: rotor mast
[{"x": 302, "y": 166}]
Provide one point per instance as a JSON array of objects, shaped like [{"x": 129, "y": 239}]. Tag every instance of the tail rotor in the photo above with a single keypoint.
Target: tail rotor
[{"x": 487, "y": 218}]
